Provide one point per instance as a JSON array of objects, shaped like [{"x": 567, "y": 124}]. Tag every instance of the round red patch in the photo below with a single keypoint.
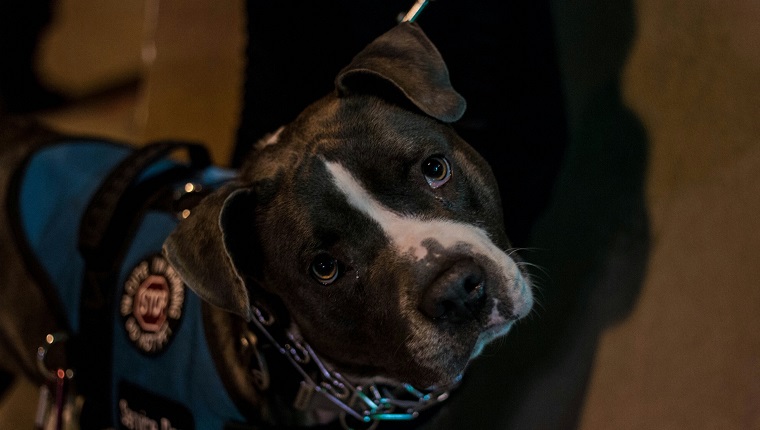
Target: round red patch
[{"x": 151, "y": 305}]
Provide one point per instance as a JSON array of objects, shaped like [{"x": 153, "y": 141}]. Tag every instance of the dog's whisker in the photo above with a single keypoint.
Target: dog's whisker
[
  {"x": 513, "y": 250},
  {"x": 528, "y": 265},
  {"x": 401, "y": 344}
]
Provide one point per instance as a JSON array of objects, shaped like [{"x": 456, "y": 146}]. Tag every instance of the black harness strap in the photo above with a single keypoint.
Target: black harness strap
[
  {"x": 98, "y": 222},
  {"x": 109, "y": 221}
]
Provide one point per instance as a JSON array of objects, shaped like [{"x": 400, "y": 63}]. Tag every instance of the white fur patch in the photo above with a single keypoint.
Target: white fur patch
[
  {"x": 495, "y": 317},
  {"x": 271, "y": 139},
  {"x": 408, "y": 234}
]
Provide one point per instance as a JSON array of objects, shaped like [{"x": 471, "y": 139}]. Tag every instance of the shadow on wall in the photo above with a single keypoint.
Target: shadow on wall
[{"x": 591, "y": 245}]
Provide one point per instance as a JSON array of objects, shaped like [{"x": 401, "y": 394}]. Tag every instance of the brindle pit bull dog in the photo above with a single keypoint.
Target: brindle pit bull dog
[{"x": 367, "y": 224}]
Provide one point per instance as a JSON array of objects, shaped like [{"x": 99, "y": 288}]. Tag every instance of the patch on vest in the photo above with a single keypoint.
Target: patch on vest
[
  {"x": 151, "y": 305},
  {"x": 143, "y": 410}
]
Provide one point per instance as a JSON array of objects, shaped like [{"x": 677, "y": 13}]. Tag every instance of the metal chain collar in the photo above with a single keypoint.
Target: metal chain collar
[{"x": 366, "y": 404}]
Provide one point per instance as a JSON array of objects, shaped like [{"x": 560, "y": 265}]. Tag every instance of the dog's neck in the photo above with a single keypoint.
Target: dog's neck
[{"x": 292, "y": 377}]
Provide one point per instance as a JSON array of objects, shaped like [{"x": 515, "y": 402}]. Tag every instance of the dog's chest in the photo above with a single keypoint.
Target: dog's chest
[{"x": 161, "y": 370}]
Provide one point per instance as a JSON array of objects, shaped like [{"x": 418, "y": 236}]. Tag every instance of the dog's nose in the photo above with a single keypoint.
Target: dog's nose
[{"x": 457, "y": 295}]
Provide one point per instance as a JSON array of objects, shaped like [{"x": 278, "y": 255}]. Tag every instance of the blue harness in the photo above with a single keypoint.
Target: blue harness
[
  {"x": 159, "y": 368},
  {"x": 92, "y": 218}
]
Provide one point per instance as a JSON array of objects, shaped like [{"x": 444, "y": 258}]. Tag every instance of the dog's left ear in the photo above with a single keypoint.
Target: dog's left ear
[
  {"x": 202, "y": 248},
  {"x": 405, "y": 57}
]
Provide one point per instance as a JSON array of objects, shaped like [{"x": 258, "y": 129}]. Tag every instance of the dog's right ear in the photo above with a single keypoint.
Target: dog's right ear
[
  {"x": 407, "y": 59},
  {"x": 203, "y": 248}
]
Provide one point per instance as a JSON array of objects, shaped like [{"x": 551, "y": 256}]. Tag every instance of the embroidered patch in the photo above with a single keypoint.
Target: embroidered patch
[{"x": 151, "y": 305}]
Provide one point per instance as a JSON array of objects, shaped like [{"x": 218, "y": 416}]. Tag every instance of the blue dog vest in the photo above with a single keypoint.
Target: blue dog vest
[{"x": 162, "y": 374}]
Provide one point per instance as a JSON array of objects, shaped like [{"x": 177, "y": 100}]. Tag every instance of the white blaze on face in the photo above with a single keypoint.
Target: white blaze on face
[{"x": 408, "y": 234}]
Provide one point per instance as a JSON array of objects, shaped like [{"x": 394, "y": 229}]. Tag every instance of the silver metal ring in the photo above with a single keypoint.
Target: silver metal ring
[{"x": 263, "y": 316}]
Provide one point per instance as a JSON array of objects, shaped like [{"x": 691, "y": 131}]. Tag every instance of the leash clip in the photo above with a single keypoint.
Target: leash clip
[{"x": 415, "y": 11}]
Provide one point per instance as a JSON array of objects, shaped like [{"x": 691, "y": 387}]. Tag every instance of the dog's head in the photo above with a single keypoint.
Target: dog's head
[{"x": 371, "y": 221}]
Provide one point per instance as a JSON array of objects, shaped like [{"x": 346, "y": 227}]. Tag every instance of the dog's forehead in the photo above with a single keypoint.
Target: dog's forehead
[
  {"x": 382, "y": 146},
  {"x": 378, "y": 141},
  {"x": 356, "y": 129},
  {"x": 367, "y": 134}
]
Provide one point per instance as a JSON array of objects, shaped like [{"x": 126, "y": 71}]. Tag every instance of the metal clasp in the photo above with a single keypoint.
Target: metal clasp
[{"x": 415, "y": 11}]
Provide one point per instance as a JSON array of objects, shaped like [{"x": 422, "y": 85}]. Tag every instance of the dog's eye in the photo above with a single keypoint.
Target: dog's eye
[
  {"x": 325, "y": 269},
  {"x": 437, "y": 170}
]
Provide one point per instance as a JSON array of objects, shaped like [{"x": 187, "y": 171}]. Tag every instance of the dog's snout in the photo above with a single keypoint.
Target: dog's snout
[{"x": 457, "y": 295}]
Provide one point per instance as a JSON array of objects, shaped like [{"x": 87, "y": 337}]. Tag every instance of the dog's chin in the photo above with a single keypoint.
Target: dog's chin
[
  {"x": 422, "y": 378},
  {"x": 430, "y": 367},
  {"x": 450, "y": 371},
  {"x": 447, "y": 366},
  {"x": 419, "y": 375},
  {"x": 436, "y": 374},
  {"x": 489, "y": 335},
  {"x": 443, "y": 379}
]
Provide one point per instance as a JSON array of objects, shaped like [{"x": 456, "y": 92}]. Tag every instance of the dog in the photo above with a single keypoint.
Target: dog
[{"x": 364, "y": 239}]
